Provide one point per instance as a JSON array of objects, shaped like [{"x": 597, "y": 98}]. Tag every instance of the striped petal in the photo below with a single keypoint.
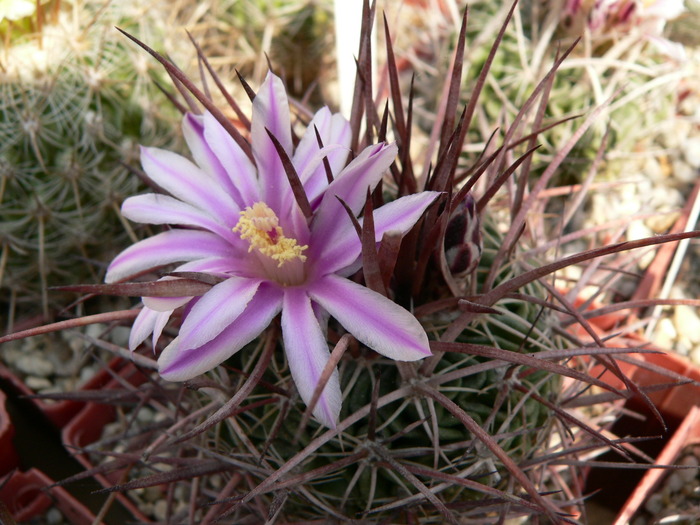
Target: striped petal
[
  {"x": 238, "y": 166},
  {"x": 147, "y": 322},
  {"x": 335, "y": 134},
  {"x": 374, "y": 320},
  {"x": 166, "y": 248},
  {"x": 307, "y": 353},
  {"x": 165, "y": 304},
  {"x": 216, "y": 310},
  {"x": 343, "y": 246},
  {"x": 184, "y": 180},
  {"x": 271, "y": 112},
  {"x": 351, "y": 185},
  {"x": 203, "y": 155},
  {"x": 176, "y": 365},
  {"x": 153, "y": 208}
]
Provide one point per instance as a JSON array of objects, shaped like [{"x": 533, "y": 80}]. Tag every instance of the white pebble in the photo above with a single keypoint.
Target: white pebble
[
  {"x": 674, "y": 482},
  {"x": 694, "y": 355},
  {"x": 160, "y": 510},
  {"x": 87, "y": 373},
  {"x": 678, "y": 292},
  {"x": 37, "y": 383},
  {"x": 655, "y": 503},
  {"x": 665, "y": 333},
  {"x": 638, "y": 230},
  {"x": 684, "y": 173},
  {"x": 683, "y": 345},
  {"x": 687, "y": 322},
  {"x": 54, "y": 516},
  {"x": 691, "y": 151},
  {"x": 35, "y": 364},
  {"x": 652, "y": 169},
  {"x": 145, "y": 415},
  {"x": 689, "y": 474}
]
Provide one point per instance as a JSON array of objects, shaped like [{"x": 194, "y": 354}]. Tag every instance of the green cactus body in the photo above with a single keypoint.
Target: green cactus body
[
  {"x": 411, "y": 427},
  {"x": 69, "y": 124}
]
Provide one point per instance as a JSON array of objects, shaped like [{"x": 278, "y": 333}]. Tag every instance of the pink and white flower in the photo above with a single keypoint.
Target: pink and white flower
[
  {"x": 238, "y": 219},
  {"x": 605, "y": 18}
]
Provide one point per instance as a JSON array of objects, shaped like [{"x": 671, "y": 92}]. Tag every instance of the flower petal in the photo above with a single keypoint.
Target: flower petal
[
  {"x": 335, "y": 134},
  {"x": 374, "y": 320},
  {"x": 184, "y": 180},
  {"x": 216, "y": 310},
  {"x": 239, "y": 168},
  {"x": 153, "y": 208},
  {"x": 220, "y": 266},
  {"x": 165, "y": 304},
  {"x": 176, "y": 365},
  {"x": 168, "y": 247},
  {"x": 351, "y": 185},
  {"x": 143, "y": 327},
  {"x": 193, "y": 131},
  {"x": 343, "y": 246},
  {"x": 307, "y": 353},
  {"x": 271, "y": 112}
]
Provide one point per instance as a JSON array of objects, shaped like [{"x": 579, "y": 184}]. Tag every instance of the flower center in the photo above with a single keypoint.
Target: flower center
[{"x": 260, "y": 227}]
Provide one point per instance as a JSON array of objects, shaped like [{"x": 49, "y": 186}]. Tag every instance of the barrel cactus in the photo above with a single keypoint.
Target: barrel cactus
[{"x": 475, "y": 428}]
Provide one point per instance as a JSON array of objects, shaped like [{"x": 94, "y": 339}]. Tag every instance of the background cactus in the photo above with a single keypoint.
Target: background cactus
[
  {"x": 74, "y": 105},
  {"x": 75, "y": 102}
]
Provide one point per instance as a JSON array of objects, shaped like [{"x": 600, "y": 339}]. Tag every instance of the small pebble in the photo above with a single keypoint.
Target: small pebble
[
  {"x": 689, "y": 474},
  {"x": 665, "y": 333},
  {"x": 87, "y": 373},
  {"x": 145, "y": 416},
  {"x": 54, "y": 516},
  {"x": 655, "y": 503},
  {"x": 160, "y": 510},
  {"x": 35, "y": 364},
  {"x": 687, "y": 322},
  {"x": 691, "y": 151},
  {"x": 661, "y": 223},
  {"x": 37, "y": 383},
  {"x": 153, "y": 494},
  {"x": 674, "y": 482},
  {"x": 683, "y": 344},
  {"x": 684, "y": 173},
  {"x": 638, "y": 230}
]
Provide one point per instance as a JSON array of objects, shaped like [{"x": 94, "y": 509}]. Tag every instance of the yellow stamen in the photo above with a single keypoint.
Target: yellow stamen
[{"x": 260, "y": 227}]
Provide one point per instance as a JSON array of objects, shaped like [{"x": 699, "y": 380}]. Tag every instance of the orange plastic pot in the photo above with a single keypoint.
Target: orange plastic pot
[
  {"x": 8, "y": 456},
  {"x": 688, "y": 433},
  {"x": 28, "y": 494},
  {"x": 623, "y": 491}
]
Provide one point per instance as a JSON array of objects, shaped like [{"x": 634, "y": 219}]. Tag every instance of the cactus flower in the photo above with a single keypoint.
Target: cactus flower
[
  {"x": 239, "y": 221},
  {"x": 603, "y": 18}
]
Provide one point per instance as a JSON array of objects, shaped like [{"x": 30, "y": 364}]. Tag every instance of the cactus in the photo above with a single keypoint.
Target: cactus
[
  {"x": 425, "y": 442},
  {"x": 474, "y": 432},
  {"x": 73, "y": 107},
  {"x": 642, "y": 82}
]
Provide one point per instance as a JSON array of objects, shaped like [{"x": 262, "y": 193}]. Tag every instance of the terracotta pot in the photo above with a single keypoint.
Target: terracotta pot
[
  {"x": 622, "y": 491},
  {"x": 688, "y": 433},
  {"x": 87, "y": 426},
  {"x": 61, "y": 412},
  {"x": 27, "y": 494},
  {"x": 676, "y": 398},
  {"x": 8, "y": 457}
]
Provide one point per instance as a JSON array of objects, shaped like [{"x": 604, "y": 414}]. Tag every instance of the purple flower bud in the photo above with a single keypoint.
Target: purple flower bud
[{"x": 463, "y": 244}]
